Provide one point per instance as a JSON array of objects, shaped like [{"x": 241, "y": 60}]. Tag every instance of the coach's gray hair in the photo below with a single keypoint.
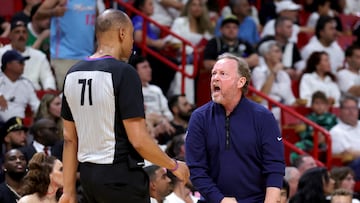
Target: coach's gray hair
[{"x": 243, "y": 69}]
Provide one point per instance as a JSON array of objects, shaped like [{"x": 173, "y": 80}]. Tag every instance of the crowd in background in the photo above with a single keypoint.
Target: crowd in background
[{"x": 311, "y": 44}]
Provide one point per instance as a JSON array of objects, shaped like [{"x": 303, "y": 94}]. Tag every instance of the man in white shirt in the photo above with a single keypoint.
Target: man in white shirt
[
  {"x": 37, "y": 69},
  {"x": 345, "y": 135},
  {"x": 16, "y": 92},
  {"x": 349, "y": 78},
  {"x": 284, "y": 9},
  {"x": 325, "y": 40}
]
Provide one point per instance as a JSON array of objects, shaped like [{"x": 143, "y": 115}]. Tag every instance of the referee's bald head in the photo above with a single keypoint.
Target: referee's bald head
[{"x": 111, "y": 19}]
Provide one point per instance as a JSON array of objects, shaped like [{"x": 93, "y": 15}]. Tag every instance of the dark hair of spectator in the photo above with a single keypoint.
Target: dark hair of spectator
[
  {"x": 321, "y": 23},
  {"x": 314, "y": 60},
  {"x": 311, "y": 186}
]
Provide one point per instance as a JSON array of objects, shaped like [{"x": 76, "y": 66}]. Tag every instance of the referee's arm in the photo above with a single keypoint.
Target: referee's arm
[
  {"x": 145, "y": 145},
  {"x": 70, "y": 162}
]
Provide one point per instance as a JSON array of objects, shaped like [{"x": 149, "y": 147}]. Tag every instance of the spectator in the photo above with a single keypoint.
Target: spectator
[
  {"x": 291, "y": 54},
  {"x": 155, "y": 102},
  {"x": 71, "y": 32},
  {"x": 14, "y": 134},
  {"x": 247, "y": 26},
  {"x": 37, "y": 68},
  {"x": 162, "y": 74},
  {"x": 342, "y": 196},
  {"x": 159, "y": 183},
  {"x": 176, "y": 147},
  {"x": 270, "y": 77},
  {"x": 303, "y": 163},
  {"x": 181, "y": 193},
  {"x": 344, "y": 135},
  {"x": 14, "y": 169},
  {"x": 317, "y": 76},
  {"x": 153, "y": 33},
  {"x": 4, "y": 28},
  {"x": 39, "y": 32},
  {"x": 229, "y": 42},
  {"x": 181, "y": 109},
  {"x": 227, "y": 133},
  {"x": 284, "y": 9},
  {"x": 166, "y": 11},
  {"x": 349, "y": 78},
  {"x": 50, "y": 108},
  {"x": 345, "y": 179},
  {"x": 16, "y": 91},
  {"x": 320, "y": 115},
  {"x": 25, "y": 14},
  {"x": 193, "y": 25},
  {"x": 314, "y": 186},
  {"x": 325, "y": 40},
  {"x": 292, "y": 176},
  {"x": 322, "y": 9},
  {"x": 284, "y": 192},
  {"x": 43, "y": 179},
  {"x": 45, "y": 140}
]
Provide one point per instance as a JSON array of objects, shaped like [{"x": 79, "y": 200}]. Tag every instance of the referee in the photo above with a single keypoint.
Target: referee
[{"x": 104, "y": 125}]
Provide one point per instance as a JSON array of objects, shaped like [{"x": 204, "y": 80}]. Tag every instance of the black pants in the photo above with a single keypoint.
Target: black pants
[{"x": 114, "y": 183}]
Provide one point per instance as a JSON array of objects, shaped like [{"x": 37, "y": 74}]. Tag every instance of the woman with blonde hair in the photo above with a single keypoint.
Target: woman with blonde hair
[
  {"x": 50, "y": 107},
  {"x": 43, "y": 179}
]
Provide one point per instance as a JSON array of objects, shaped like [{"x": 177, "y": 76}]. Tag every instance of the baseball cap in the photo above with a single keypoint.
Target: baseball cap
[
  {"x": 12, "y": 55},
  {"x": 13, "y": 124},
  {"x": 230, "y": 19},
  {"x": 17, "y": 23},
  {"x": 287, "y": 5}
]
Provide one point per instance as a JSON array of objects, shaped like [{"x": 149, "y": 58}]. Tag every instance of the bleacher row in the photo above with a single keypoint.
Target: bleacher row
[{"x": 9, "y": 7}]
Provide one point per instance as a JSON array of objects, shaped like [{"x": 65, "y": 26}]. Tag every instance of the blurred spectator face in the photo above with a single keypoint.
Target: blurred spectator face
[
  {"x": 308, "y": 162},
  {"x": 274, "y": 55},
  {"x": 16, "y": 138},
  {"x": 196, "y": 8},
  {"x": 348, "y": 183},
  {"x": 328, "y": 34},
  {"x": 48, "y": 132},
  {"x": 44, "y": 24},
  {"x": 324, "y": 64},
  {"x": 242, "y": 8},
  {"x": 184, "y": 108},
  {"x": 230, "y": 31},
  {"x": 162, "y": 182},
  {"x": 293, "y": 182},
  {"x": 349, "y": 113},
  {"x": 292, "y": 14},
  {"x": 55, "y": 107},
  {"x": 15, "y": 67},
  {"x": 283, "y": 197},
  {"x": 324, "y": 9},
  {"x": 56, "y": 175},
  {"x": 18, "y": 37},
  {"x": 286, "y": 29},
  {"x": 319, "y": 106},
  {"x": 144, "y": 71},
  {"x": 354, "y": 60},
  {"x": 148, "y": 7},
  {"x": 15, "y": 164},
  {"x": 341, "y": 199},
  {"x": 329, "y": 186}
]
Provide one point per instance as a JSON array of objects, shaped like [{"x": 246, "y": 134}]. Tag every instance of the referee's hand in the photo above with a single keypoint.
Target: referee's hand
[{"x": 182, "y": 172}]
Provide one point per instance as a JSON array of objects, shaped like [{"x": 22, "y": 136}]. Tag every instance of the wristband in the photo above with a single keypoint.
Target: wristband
[{"x": 176, "y": 166}]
